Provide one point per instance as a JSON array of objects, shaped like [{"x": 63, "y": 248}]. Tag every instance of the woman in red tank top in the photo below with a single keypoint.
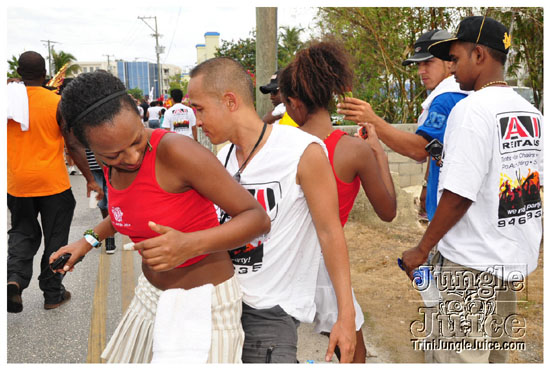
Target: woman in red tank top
[
  {"x": 353, "y": 160},
  {"x": 162, "y": 187}
]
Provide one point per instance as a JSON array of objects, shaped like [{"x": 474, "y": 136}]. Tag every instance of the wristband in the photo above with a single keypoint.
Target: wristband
[{"x": 92, "y": 238}]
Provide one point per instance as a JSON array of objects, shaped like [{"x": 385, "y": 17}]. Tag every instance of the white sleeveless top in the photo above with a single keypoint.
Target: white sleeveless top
[{"x": 280, "y": 268}]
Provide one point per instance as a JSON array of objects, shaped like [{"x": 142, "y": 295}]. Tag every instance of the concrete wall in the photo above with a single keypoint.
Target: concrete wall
[{"x": 405, "y": 171}]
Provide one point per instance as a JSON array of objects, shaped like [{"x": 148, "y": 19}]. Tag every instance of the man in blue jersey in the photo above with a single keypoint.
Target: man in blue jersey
[{"x": 444, "y": 94}]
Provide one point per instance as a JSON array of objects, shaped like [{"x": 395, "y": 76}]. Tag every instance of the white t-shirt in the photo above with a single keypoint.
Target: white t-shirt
[
  {"x": 493, "y": 155},
  {"x": 140, "y": 110},
  {"x": 180, "y": 119},
  {"x": 154, "y": 112},
  {"x": 278, "y": 110},
  {"x": 281, "y": 269}
]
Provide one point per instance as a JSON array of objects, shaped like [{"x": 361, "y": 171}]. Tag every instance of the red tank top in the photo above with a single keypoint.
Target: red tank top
[
  {"x": 347, "y": 192},
  {"x": 144, "y": 200}
]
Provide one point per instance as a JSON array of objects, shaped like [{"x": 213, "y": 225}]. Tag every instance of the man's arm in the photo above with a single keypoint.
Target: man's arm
[
  {"x": 78, "y": 154},
  {"x": 404, "y": 143},
  {"x": 451, "y": 208},
  {"x": 319, "y": 186},
  {"x": 269, "y": 118}
]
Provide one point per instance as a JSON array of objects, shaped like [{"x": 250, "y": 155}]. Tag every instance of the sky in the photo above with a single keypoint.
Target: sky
[
  {"x": 91, "y": 30},
  {"x": 91, "y": 33}
]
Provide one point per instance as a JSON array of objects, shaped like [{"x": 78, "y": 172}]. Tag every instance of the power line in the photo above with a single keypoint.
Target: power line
[
  {"x": 173, "y": 34},
  {"x": 158, "y": 49},
  {"x": 109, "y": 62},
  {"x": 50, "y": 55}
]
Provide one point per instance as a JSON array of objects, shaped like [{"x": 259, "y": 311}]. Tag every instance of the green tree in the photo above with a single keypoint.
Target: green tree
[
  {"x": 13, "y": 63},
  {"x": 379, "y": 39},
  {"x": 136, "y": 92},
  {"x": 59, "y": 59},
  {"x": 243, "y": 50},
  {"x": 289, "y": 44},
  {"x": 526, "y": 57},
  {"x": 177, "y": 83}
]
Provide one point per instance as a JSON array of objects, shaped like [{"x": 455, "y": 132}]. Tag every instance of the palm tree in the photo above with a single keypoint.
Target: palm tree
[
  {"x": 12, "y": 67},
  {"x": 289, "y": 44},
  {"x": 59, "y": 59}
]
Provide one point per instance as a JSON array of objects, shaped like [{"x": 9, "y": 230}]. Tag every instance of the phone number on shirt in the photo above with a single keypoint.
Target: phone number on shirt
[{"x": 520, "y": 220}]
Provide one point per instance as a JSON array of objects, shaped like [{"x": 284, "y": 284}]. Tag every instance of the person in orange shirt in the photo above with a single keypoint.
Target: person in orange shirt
[{"x": 38, "y": 183}]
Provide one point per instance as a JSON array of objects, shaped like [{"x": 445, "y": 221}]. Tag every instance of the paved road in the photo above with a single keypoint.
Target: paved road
[{"x": 101, "y": 286}]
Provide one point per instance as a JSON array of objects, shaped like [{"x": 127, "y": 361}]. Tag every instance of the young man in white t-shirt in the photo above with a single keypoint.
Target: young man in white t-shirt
[
  {"x": 487, "y": 225},
  {"x": 180, "y": 118},
  {"x": 288, "y": 172}
]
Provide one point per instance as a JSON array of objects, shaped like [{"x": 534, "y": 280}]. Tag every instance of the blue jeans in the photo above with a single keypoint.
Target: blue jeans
[
  {"x": 154, "y": 123},
  {"x": 102, "y": 182}
]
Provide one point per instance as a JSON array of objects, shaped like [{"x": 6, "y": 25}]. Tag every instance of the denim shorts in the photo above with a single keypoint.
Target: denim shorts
[
  {"x": 154, "y": 123},
  {"x": 100, "y": 179},
  {"x": 270, "y": 335}
]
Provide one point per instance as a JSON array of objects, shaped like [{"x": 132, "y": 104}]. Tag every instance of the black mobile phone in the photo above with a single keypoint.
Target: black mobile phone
[
  {"x": 435, "y": 149},
  {"x": 62, "y": 260}
]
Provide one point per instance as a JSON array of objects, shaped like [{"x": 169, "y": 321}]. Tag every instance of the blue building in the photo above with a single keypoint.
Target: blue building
[{"x": 142, "y": 75}]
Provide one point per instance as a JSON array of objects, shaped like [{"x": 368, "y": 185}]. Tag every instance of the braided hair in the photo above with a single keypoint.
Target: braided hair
[
  {"x": 86, "y": 90},
  {"x": 316, "y": 74}
]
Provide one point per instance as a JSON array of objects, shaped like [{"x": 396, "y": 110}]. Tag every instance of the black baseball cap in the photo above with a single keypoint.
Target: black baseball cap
[
  {"x": 421, "y": 45},
  {"x": 477, "y": 30},
  {"x": 273, "y": 84}
]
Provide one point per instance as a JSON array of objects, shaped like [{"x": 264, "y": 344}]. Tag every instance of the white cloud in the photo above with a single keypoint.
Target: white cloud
[{"x": 92, "y": 32}]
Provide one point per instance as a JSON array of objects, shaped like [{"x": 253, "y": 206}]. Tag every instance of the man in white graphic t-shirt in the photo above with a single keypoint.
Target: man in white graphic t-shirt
[
  {"x": 487, "y": 225},
  {"x": 180, "y": 118}
]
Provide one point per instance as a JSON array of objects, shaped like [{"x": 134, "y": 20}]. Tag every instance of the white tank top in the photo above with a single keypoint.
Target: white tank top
[{"x": 280, "y": 268}]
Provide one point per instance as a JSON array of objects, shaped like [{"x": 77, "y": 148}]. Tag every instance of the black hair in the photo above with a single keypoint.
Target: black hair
[
  {"x": 497, "y": 55},
  {"x": 177, "y": 95},
  {"x": 66, "y": 81},
  {"x": 31, "y": 66},
  {"x": 83, "y": 92}
]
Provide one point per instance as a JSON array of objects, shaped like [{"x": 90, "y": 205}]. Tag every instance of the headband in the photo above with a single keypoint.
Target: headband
[{"x": 98, "y": 103}]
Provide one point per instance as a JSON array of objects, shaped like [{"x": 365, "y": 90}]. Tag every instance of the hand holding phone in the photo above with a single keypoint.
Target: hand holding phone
[{"x": 62, "y": 260}]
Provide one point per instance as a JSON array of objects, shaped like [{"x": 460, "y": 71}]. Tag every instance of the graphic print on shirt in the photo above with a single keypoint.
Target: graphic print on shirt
[
  {"x": 519, "y": 146},
  {"x": 249, "y": 258},
  {"x": 117, "y": 214},
  {"x": 181, "y": 124}
]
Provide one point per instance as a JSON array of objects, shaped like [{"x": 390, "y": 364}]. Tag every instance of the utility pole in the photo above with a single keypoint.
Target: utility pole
[
  {"x": 108, "y": 62},
  {"x": 158, "y": 49},
  {"x": 266, "y": 54},
  {"x": 50, "y": 55}
]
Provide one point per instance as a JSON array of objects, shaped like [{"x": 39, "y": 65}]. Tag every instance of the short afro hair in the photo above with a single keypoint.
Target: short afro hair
[
  {"x": 177, "y": 95},
  {"x": 84, "y": 91}
]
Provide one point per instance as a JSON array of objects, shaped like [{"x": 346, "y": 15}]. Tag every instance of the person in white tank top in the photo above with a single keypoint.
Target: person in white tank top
[{"x": 288, "y": 172}]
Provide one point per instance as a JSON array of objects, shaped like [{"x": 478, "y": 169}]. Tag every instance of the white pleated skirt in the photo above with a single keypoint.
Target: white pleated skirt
[{"x": 132, "y": 341}]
